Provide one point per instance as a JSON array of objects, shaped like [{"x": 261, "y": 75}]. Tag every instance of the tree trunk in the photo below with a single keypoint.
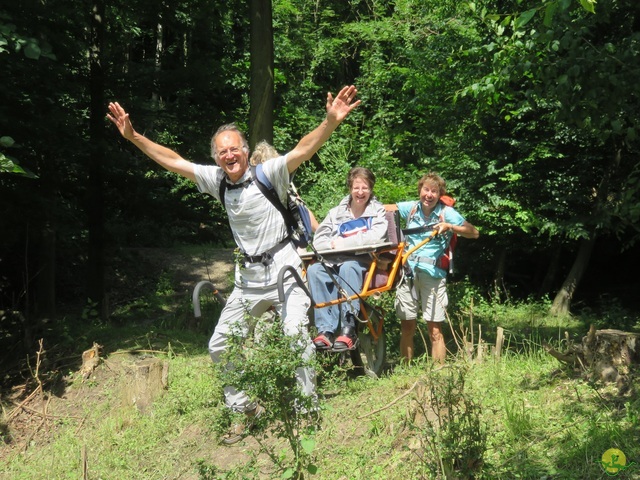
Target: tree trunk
[
  {"x": 562, "y": 301},
  {"x": 261, "y": 94},
  {"x": 498, "y": 277},
  {"x": 155, "y": 95},
  {"x": 147, "y": 380},
  {"x": 46, "y": 278},
  {"x": 552, "y": 270},
  {"x": 95, "y": 202},
  {"x": 43, "y": 251}
]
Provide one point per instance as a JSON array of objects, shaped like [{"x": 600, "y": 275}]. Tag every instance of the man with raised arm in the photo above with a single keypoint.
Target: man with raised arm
[{"x": 258, "y": 229}]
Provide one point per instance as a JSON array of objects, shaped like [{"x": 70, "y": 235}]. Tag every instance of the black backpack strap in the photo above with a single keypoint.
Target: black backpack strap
[
  {"x": 222, "y": 190},
  {"x": 271, "y": 195},
  {"x": 414, "y": 230},
  {"x": 224, "y": 186}
]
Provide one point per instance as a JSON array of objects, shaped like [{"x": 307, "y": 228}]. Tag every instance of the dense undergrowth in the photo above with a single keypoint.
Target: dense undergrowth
[{"x": 523, "y": 415}]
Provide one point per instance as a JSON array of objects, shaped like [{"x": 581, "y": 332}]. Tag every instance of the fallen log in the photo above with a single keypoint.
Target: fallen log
[{"x": 605, "y": 355}]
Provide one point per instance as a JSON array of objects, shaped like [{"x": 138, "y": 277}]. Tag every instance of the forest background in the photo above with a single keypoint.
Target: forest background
[{"x": 529, "y": 110}]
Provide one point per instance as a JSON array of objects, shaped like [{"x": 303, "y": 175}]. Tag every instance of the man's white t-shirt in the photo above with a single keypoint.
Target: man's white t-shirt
[{"x": 256, "y": 224}]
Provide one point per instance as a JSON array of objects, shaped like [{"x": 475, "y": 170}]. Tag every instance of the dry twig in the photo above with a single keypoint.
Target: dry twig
[{"x": 393, "y": 402}]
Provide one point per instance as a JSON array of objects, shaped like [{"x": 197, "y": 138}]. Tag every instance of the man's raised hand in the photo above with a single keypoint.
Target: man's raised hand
[
  {"x": 120, "y": 119},
  {"x": 340, "y": 106}
]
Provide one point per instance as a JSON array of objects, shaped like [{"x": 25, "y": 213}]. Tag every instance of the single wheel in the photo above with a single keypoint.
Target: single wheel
[{"x": 370, "y": 354}]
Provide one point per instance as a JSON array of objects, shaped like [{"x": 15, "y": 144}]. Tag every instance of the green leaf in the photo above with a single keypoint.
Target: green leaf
[
  {"x": 525, "y": 18},
  {"x": 308, "y": 444},
  {"x": 312, "y": 469},
  {"x": 10, "y": 165},
  {"x": 32, "y": 50},
  {"x": 549, "y": 13},
  {"x": 589, "y": 5},
  {"x": 6, "y": 141},
  {"x": 288, "y": 473},
  {"x": 616, "y": 125},
  {"x": 6, "y": 165}
]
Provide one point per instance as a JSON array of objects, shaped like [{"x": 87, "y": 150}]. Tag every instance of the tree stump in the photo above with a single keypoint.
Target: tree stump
[
  {"x": 90, "y": 360},
  {"x": 611, "y": 353},
  {"x": 605, "y": 355},
  {"x": 147, "y": 380}
]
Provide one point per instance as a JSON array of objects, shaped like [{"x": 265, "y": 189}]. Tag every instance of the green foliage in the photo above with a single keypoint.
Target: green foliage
[
  {"x": 543, "y": 61},
  {"x": 90, "y": 312},
  {"x": 164, "y": 286},
  {"x": 609, "y": 313},
  {"x": 518, "y": 421},
  {"x": 453, "y": 434},
  {"x": 195, "y": 392},
  {"x": 323, "y": 190},
  {"x": 265, "y": 367},
  {"x": 13, "y": 41},
  {"x": 10, "y": 164},
  {"x": 211, "y": 472},
  {"x": 529, "y": 110}
]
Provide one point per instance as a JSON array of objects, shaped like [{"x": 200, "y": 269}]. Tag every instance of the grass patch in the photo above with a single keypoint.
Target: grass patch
[{"x": 521, "y": 416}]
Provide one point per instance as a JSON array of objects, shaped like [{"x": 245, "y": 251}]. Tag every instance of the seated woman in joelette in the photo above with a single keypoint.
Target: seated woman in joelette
[{"x": 358, "y": 220}]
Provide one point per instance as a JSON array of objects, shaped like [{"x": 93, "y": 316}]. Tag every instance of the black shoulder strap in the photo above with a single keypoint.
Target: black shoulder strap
[
  {"x": 222, "y": 189},
  {"x": 270, "y": 193}
]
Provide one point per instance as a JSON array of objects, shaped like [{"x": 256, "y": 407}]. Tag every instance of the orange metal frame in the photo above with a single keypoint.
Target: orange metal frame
[{"x": 392, "y": 267}]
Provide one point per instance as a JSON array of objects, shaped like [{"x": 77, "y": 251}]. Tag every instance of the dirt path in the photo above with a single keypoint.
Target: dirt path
[{"x": 188, "y": 267}]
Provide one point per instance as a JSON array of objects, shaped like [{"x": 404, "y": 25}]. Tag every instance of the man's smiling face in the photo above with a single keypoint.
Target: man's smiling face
[{"x": 230, "y": 155}]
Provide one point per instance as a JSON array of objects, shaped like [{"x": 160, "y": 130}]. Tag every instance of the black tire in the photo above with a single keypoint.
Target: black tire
[{"x": 370, "y": 354}]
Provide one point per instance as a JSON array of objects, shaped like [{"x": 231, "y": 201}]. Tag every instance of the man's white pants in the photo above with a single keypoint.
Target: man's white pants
[{"x": 257, "y": 301}]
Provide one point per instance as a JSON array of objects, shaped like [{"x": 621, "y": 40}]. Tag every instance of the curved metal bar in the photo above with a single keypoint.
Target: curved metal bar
[
  {"x": 196, "y": 296},
  {"x": 422, "y": 243},
  {"x": 296, "y": 276}
]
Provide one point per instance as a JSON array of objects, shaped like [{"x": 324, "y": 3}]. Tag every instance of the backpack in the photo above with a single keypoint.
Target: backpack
[
  {"x": 445, "y": 261},
  {"x": 296, "y": 214}
]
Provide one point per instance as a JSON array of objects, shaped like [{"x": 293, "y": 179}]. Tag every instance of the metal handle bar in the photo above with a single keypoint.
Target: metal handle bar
[
  {"x": 296, "y": 276},
  {"x": 196, "y": 296}
]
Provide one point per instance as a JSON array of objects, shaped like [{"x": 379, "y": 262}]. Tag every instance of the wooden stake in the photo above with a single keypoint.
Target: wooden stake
[{"x": 499, "y": 342}]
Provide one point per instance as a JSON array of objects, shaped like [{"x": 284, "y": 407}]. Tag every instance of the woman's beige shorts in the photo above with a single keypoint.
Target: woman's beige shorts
[{"x": 422, "y": 290}]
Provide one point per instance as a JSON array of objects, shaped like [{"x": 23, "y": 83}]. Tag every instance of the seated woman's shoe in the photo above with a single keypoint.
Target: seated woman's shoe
[
  {"x": 324, "y": 341},
  {"x": 348, "y": 340}
]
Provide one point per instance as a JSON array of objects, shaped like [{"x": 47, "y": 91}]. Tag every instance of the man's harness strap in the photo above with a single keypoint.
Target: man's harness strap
[{"x": 265, "y": 258}]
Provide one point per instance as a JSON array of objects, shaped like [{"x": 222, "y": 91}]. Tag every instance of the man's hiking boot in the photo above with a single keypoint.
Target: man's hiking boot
[{"x": 241, "y": 429}]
